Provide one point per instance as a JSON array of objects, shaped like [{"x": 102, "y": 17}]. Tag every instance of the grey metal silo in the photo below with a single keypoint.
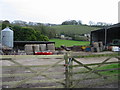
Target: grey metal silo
[{"x": 7, "y": 37}]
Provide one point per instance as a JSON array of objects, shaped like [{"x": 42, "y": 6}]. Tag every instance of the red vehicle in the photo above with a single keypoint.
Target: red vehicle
[{"x": 43, "y": 53}]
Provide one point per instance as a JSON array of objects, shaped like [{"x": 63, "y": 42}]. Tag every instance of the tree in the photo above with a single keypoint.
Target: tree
[
  {"x": 72, "y": 22},
  {"x": 5, "y": 24},
  {"x": 79, "y": 22},
  {"x": 23, "y": 33},
  {"x": 19, "y": 22},
  {"x": 32, "y": 31},
  {"x": 43, "y": 30},
  {"x": 28, "y": 34},
  {"x": 100, "y": 24},
  {"x": 65, "y": 23},
  {"x": 17, "y": 33},
  {"x": 44, "y": 38},
  {"x": 91, "y": 23}
]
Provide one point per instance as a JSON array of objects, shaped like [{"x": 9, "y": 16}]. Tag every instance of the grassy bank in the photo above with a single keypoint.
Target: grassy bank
[{"x": 59, "y": 42}]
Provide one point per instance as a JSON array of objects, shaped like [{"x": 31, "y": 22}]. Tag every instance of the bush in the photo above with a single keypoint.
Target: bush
[
  {"x": 28, "y": 34},
  {"x": 80, "y": 38}
]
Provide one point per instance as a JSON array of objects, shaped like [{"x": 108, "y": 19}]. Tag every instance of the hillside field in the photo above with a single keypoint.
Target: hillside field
[
  {"x": 74, "y": 29},
  {"x": 59, "y": 42}
]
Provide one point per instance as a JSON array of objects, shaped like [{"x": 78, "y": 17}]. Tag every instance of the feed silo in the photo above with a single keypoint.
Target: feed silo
[{"x": 7, "y": 37}]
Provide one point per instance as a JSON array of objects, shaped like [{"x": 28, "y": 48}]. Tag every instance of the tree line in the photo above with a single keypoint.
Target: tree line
[
  {"x": 72, "y": 22},
  {"x": 91, "y": 23},
  {"x": 33, "y": 31},
  {"x": 23, "y": 32}
]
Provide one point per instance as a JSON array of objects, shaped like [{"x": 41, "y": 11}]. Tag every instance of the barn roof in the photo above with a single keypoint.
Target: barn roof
[
  {"x": 109, "y": 27},
  {"x": 106, "y": 34}
]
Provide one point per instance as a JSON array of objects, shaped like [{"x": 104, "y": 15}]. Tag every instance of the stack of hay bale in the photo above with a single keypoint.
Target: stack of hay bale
[
  {"x": 97, "y": 47},
  {"x": 51, "y": 47},
  {"x": 30, "y": 49},
  {"x": 101, "y": 46},
  {"x": 42, "y": 47}
]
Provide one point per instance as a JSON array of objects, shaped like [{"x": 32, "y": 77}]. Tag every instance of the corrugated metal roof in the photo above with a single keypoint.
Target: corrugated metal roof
[{"x": 109, "y": 27}]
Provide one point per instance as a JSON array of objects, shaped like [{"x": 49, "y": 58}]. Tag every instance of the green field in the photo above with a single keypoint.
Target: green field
[
  {"x": 59, "y": 42},
  {"x": 110, "y": 67},
  {"x": 74, "y": 29}
]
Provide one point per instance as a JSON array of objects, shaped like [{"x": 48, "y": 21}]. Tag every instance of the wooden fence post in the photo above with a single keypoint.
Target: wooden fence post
[
  {"x": 71, "y": 71},
  {"x": 66, "y": 71}
]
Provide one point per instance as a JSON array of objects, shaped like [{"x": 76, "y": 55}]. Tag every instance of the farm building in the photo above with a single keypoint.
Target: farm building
[{"x": 106, "y": 35}]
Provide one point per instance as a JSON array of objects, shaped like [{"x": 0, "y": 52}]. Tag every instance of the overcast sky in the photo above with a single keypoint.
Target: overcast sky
[{"x": 57, "y": 11}]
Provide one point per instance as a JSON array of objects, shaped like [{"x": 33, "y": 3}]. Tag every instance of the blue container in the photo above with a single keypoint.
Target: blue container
[{"x": 88, "y": 49}]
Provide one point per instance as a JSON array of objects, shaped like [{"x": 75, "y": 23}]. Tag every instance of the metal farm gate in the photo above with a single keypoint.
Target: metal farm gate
[{"x": 56, "y": 71}]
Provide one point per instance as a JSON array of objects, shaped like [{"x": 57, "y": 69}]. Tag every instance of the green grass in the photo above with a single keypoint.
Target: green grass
[
  {"x": 110, "y": 67},
  {"x": 59, "y": 42},
  {"x": 74, "y": 29}
]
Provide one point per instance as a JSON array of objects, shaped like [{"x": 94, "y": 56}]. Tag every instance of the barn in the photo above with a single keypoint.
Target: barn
[{"x": 106, "y": 35}]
